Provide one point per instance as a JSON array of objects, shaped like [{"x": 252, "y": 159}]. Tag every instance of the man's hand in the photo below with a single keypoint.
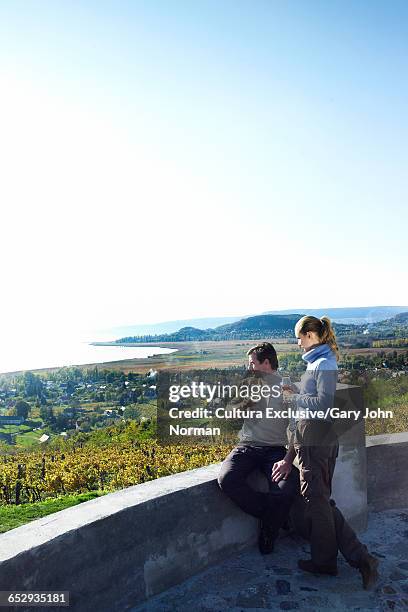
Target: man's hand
[{"x": 281, "y": 469}]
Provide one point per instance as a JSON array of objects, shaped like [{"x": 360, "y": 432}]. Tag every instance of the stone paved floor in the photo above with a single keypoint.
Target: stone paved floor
[{"x": 251, "y": 582}]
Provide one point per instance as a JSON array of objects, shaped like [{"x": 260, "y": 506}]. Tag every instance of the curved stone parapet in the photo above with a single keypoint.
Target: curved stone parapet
[{"x": 116, "y": 551}]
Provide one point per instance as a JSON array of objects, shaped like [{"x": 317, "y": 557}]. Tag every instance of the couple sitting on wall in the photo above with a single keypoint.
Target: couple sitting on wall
[{"x": 302, "y": 494}]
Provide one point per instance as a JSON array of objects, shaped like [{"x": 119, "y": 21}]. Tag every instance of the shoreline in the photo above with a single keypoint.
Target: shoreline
[
  {"x": 114, "y": 364},
  {"x": 186, "y": 355},
  {"x": 189, "y": 354}
]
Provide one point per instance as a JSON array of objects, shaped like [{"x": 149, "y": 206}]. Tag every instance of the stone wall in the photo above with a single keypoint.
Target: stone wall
[
  {"x": 387, "y": 484},
  {"x": 118, "y": 550},
  {"x": 114, "y": 552}
]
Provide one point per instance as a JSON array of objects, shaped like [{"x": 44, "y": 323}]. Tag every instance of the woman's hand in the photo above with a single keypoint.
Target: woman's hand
[{"x": 281, "y": 469}]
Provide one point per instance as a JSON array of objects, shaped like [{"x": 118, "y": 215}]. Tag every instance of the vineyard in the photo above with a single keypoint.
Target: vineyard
[
  {"x": 127, "y": 452},
  {"x": 109, "y": 465}
]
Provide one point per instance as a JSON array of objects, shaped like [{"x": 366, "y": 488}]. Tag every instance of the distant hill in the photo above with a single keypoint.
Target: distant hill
[
  {"x": 356, "y": 315},
  {"x": 167, "y": 327},
  {"x": 260, "y": 326},
  {"x": 359, "y": 315},
  {"x": 394, "y": 327},
  {"x": 261, "y": 323}
]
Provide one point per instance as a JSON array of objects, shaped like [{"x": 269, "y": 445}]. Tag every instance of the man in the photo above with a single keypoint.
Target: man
[{"x": 262, "y": 444}]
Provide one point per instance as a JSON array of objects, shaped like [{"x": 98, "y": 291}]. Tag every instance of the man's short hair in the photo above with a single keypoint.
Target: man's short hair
[{"x": 265, "y": 351}]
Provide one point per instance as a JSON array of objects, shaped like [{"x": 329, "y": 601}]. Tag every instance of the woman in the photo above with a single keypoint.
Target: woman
[{"x": 316, "y": 447}]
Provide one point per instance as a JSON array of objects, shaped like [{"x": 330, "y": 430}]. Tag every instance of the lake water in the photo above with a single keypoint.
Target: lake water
[{"x": 40, "y": 352}]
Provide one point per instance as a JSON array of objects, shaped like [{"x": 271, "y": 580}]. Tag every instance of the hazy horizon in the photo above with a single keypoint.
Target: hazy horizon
[{"x": 55, "y": 347}]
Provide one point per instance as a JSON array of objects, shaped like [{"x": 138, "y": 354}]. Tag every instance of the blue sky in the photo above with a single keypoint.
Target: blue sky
[{"x": 183, "y": 159}]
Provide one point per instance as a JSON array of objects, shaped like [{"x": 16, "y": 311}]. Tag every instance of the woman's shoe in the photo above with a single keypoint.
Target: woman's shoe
[{"x": 369, "y": 571}]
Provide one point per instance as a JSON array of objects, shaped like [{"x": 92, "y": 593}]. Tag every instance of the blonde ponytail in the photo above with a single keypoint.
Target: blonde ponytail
[
  {"x": 322, "y": 327},
  {"x": 328, "y": 336}
]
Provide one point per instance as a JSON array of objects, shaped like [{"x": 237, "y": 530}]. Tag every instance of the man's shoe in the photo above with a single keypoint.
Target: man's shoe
[
  {"x": 267, "y": 536},
  {"x": 309, "y": 566},
  {"x": 369, "y": 571}
]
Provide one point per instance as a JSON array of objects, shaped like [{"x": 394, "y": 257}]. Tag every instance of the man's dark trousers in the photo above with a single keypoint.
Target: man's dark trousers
[{"x": 241, "y": 461}]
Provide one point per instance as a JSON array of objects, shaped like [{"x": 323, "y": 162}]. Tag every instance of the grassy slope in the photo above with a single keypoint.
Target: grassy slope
[{"x": 14, "y": 516}]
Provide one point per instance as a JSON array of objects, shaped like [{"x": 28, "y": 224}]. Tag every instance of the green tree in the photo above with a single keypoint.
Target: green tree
[
  {"x": 32, "y": 385},
  {"x": 22, "y": 409},
  {"x": 131, "y": 412}
]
